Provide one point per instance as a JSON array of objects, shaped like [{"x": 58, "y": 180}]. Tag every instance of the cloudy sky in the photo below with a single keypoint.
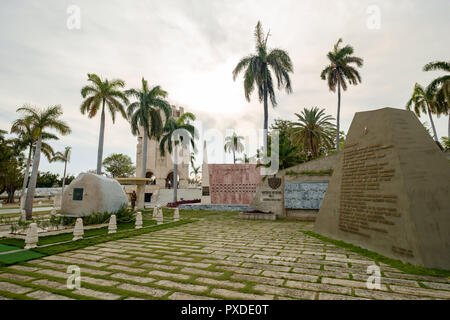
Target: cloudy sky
[{"x": 190, "y": 48}]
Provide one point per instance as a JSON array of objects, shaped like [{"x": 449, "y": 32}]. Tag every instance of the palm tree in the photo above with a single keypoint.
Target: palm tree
[
  {"x": 145, "y": 113},
  {"x": 100, "y": 93},
  {"x": 258, "y": 68},
  {"x": 338, "y": 72},
  {"x": 423, "y": 102},
  {"x": 233, "y": 144},
  {"x": 63, "y": 157},
  {"x": 195, "y": 171},
  {"x": 313, "y": 130},
  {"x": 41, "y": 119},
  {"x": 440, "y": 87},
  {"x": 173, "y": 141},
  {"x": 24, "y": 129}
]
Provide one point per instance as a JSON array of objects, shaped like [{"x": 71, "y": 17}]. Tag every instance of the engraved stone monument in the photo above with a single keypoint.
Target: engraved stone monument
[{"x": 390, "y": 190}]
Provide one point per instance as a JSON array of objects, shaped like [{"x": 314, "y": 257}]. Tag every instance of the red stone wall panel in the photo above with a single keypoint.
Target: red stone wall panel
[{"x": 233, "y": 183}]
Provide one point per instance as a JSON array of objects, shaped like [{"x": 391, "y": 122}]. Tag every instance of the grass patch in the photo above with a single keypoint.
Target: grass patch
[
  {"x": 405, "y": 267},
  {"x": 15, "y": 257},
  {"x": 5, "y": 248},
  {"x": 73, "y": 245}
]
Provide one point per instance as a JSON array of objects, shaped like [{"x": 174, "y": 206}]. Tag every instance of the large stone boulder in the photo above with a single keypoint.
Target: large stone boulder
[{"x": 90, "y": 193}]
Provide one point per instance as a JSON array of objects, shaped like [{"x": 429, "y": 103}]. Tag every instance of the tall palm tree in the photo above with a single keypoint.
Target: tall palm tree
[
  {"x": 339, "y": 72},
  {"x": 24, "y": 129},
  {"x": 63, "y": 157},
  {"x": 145, "y": 113},
  {"x": 98, "y": 94},
  {"x": 313, "y": 130},
  {"x": 47, "y": 118},
  {"x": 257, "y": 72},
  {"x": 233, "y": 144},
  {"x": 422, "y": 100},
  {"x": 174, "y": 142},
  {"x": 440, "y": 87}
]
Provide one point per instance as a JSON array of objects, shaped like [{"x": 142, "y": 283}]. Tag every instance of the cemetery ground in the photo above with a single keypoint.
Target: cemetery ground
[{"x": 214, "y": 255}]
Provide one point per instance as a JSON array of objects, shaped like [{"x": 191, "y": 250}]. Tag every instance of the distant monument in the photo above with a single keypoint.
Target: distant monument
[
  {"x": 90, "y": 193},
  {"x": 390, "y": 190}
]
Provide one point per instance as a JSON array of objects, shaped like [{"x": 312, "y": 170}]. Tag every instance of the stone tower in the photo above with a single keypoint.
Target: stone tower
[{"x": 159, "y": 168}]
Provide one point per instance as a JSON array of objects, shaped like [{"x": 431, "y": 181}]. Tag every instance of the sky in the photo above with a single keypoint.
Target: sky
[{"x": 190, "y": 47}]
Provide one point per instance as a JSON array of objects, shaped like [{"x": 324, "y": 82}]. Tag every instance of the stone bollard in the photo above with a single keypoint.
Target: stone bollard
[
  {"x": 176, "y": 215},
  {"x": 159, "y": 217},
  {"x": 112, "y": 227},
  {"x": 155, "y": 212},
  {"x": 1, "y": 204},
  {"x": 138, "y": 220},
  {"x": 78, "y": 231},
  {"x": 31, "y": 238}
]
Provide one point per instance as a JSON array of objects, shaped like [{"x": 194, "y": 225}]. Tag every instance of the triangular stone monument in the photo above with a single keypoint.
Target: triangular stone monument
[{"x": 390, "y": 191}]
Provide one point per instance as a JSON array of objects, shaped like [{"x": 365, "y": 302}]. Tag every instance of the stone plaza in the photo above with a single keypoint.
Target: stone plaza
[{"x": 216, "y": 257}]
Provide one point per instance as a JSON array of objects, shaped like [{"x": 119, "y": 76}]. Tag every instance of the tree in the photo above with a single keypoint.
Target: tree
[
  {"x": 338, "y": 72},
  {"x": 289, "y": 154},
  {"x": 313, "y": 130},
  {"x": 47, "y": 180},
  {"x": 100, "y": 93},
  {"x": 11, "y": 166},
  {"x": 41, "y": 119},
  {"x": 24, "y": 129},
  {"x": 422, "y": 101},
  {"x": 258, "y": 72},
  {"x": 63, "y": 157},
  {"x": 233, "y": 144},
  {"x": 439, "y": 88},
  {"x": 173, "y": 140},
  {"x": 145, "y": 113},
  {"x": 196, "y": 171},
  {"x": 119, "y": 165}
]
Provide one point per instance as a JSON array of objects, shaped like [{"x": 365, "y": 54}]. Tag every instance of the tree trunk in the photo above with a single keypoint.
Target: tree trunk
[
  {"x": 175, "y": 174},
  {"x": 33, "y": 180},
  {"x": 266, "y": 119},
  {"x": 11, "y": 190},
  {"x": 25, "y": 175},
  {"x": 234, "y": 157},
  {"x": 448, "y": 134},
  {"x": 432, "y": 125},
  {"x": 64, "y": 178},
  {"x": 338, "y": 144},
  {"x": 100, "y": 141},
  {"x": 144, "y": 155}
]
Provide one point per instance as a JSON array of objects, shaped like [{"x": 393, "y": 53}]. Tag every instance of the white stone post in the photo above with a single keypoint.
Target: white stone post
[
  {"x": 155, "y": 212},
  {"x": 112, "y": 227},
  {"x": 78, "y": 232},
  {"x": 31, "y": 238},
  {"x": 159, "y": 218},
  {"x": 176, "y": 215},
  {"x": 138, "y": 220}
]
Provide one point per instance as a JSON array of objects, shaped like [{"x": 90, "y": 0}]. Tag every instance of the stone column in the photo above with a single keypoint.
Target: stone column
[
  {"x": 206, "y": 197},
  {"x": 140, "y": 193}
]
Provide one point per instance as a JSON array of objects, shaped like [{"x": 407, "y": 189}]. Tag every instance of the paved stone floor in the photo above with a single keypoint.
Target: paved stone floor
[{"x": 223, "y": 258}]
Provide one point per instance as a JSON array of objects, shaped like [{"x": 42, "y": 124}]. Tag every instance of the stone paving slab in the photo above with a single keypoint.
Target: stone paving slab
[{"x": 220, "y": 258}]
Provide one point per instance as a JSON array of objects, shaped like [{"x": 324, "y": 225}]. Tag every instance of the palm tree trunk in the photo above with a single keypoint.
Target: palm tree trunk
[
  {"x": 266, "y": 119},
  {"x": 33, "y": 180},
  {"x": 338, "y": 117},
  {"x": 64, "y": 178},
  {"x": 25, "y": 176},
  {"x": 448, "y": 134},
  {"x": 432, "y": 125},
  {"x": 100, "y": 141},
  {"x": 234, "y": 157},
  {"x": 175, "y": 174},
  {"x": 144, "y": 155}
]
